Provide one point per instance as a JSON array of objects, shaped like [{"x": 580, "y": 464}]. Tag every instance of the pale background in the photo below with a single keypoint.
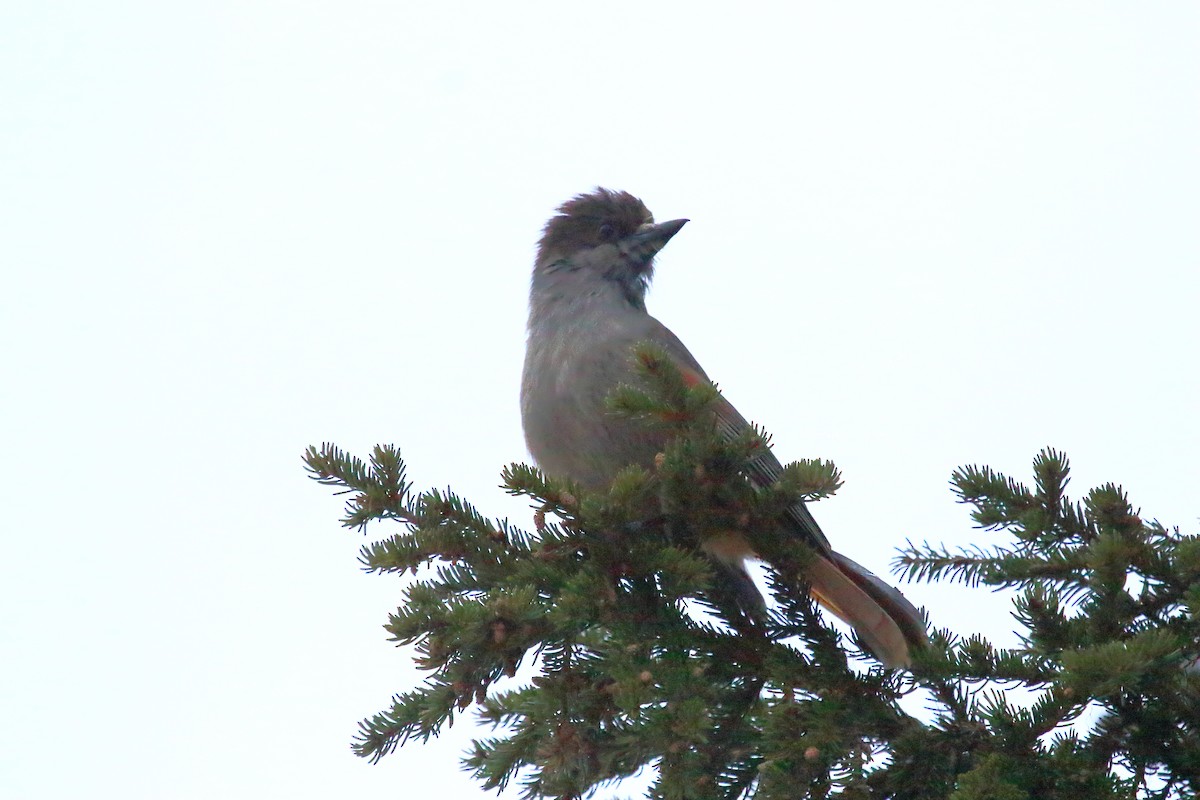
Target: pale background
[{"x": 922, "y": 235}]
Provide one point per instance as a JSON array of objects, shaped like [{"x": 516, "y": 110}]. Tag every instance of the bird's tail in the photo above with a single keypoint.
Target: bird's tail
[{"x": 890, "y": 626}]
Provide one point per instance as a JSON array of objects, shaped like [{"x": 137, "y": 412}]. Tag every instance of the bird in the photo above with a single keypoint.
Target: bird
[{"x": 587, "y": 312}]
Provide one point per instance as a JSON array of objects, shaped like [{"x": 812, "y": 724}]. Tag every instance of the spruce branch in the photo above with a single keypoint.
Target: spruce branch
[{"x": 636, "y": 657}]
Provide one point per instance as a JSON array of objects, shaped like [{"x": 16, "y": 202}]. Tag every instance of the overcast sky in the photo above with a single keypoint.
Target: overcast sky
[{"x": 922, "y": 235}]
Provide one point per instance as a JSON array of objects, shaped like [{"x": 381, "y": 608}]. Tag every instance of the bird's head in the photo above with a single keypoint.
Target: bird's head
[{"x": 606, "y": 235}]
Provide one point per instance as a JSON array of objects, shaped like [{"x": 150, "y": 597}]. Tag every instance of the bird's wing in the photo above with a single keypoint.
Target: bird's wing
[
  {"x": 887, "y": 622},
  {"x": 765, "y": 469}
]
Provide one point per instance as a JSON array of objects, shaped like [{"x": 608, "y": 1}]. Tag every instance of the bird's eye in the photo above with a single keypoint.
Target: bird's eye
[{"x": 607, "y": 231}]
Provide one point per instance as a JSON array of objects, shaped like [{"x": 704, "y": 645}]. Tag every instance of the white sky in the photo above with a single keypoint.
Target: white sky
[{"x": 922, "y": 235}]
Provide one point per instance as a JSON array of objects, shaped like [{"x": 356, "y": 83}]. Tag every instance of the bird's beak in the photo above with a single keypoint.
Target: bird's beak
[{"x": 642, "y": 246}]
